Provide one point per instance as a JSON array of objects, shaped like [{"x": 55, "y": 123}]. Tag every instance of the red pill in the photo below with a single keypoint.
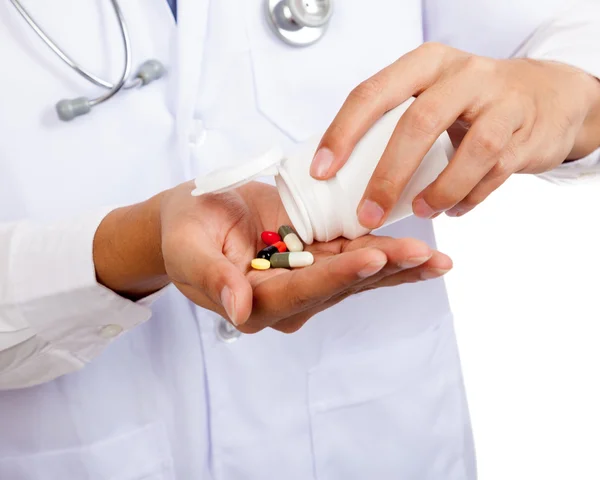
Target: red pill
[
  {"x": 270, "y": 237},
  {"x": 281, "y": 246}
]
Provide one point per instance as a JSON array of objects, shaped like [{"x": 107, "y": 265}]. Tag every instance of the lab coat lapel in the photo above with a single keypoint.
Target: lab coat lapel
[{"x": 192, "y": 16}]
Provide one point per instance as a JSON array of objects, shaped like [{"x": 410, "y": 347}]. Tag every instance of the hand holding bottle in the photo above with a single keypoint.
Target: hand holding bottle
[{"x": 516, "y": 116}]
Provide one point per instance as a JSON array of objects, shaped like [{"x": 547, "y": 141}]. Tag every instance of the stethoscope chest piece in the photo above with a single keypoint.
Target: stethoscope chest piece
[{"x": 299, "y": 23}]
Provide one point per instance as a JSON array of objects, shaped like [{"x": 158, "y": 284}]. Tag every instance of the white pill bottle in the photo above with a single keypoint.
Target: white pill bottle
[{"x": 324, "y": 210}]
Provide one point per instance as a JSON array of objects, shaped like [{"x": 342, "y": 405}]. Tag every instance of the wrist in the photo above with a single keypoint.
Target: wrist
[
  {"x": 588, "y": 138},
  {"x": 127, "y": 250}
]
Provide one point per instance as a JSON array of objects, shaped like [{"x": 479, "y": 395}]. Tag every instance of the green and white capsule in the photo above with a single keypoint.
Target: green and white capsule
[
  {"x": 291, "y": 240},
  {"x": 292, "y": 260}
]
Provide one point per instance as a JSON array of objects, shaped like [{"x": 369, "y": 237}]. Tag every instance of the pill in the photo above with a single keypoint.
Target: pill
[
  {"x": 294, "y": 244},
  {"x": 267, "y": 252},
  {"x": 281, "y": 246},
  {"x": 270, "y": 238},
  {"x": 292, "y": 259},
  {"x": 260, "y": 264}
]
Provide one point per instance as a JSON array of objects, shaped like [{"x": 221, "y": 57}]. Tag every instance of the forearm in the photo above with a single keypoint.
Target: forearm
[
  {"x": 54, "y": 315},
  {"x": 127, "y": 250}
]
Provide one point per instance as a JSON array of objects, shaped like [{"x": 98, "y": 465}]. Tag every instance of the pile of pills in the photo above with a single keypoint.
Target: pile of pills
[{"x": 284, "y": 250}]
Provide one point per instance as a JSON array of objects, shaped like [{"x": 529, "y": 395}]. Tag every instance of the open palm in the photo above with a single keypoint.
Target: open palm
[{"x": 209, "y": 242}]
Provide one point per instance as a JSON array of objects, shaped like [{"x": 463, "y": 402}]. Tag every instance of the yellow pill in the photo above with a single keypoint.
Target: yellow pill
[{"x": 260, "y": 264}]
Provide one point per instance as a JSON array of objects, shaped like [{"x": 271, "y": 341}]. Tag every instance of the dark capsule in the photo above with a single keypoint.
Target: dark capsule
[{"x": 267, "y": 252}]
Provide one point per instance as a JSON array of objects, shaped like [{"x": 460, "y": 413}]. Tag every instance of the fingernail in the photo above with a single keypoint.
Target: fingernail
[
  {"x": 321, "y": 163},
  {"x": 422, "y": 209},
  {"x": 455, "y": 212},
  {"x": 371, "y": 269},
  {"x": 370, "y": 214},
  {"x": 431, "y": 273},
  {"x": 414, "y": 261},
  {"x": 228, "y": 302}
]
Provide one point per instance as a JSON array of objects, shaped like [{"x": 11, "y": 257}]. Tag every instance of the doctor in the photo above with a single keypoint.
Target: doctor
[{"x": 108, "y": 373}]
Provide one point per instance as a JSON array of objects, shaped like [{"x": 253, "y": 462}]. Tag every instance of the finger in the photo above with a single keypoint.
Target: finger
[
  {"x": 438, "y": 265},
  {"x": 223, "y": 283},
  {"x": 500, "y": 173},
  {"x": 528, "y": 152},
  {"x": 410, "y": 276},
  {"x": 402, "y": 253},
  {"x": 527, "y": 145},
  {"x": 477, "y": 154},
  {"x": 392, "y": 86},
  {"x": 296, "y": 322},
  {"x": 420, "y": 126},
  {"x": 298, "y": 290}
]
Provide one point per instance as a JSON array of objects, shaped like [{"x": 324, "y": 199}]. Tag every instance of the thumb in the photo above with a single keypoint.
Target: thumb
[
  {"x": 236, "y": 298},
  {"x": 217, "y": 278}
]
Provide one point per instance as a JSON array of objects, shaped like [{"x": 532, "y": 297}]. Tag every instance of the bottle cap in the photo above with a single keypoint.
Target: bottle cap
[
  {"x": 271, "y": 163},
  {"x": 228, "y": 178}
]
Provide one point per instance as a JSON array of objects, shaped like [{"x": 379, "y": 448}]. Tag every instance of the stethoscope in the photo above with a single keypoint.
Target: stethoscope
[
  {"x": 299, "y": 23},
  {"x": 70, "y": 108}
]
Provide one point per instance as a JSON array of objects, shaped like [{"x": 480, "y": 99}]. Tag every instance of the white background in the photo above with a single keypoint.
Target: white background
[{"x": 525, "y": 290}]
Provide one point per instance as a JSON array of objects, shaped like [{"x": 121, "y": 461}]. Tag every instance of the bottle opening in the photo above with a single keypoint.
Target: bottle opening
[{"x": 294, "y": 207}]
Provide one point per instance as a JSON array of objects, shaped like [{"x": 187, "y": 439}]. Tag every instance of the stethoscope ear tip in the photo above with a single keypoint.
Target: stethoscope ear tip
[
  {"x": 68, "y": 109},
  {"x": 150, "y": 70}
]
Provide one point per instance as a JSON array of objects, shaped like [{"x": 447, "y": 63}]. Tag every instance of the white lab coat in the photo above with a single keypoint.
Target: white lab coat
[{"x": 95, "y": 389}]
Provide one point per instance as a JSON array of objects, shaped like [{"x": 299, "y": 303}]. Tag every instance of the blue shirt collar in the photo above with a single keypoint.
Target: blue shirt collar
[{"x": 173, "y": 5}]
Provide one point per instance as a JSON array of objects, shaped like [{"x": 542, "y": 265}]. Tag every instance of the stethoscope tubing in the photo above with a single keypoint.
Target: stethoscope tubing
[
  {"x": 296, "y": 28},
  {"x": 113, "y": 89}
]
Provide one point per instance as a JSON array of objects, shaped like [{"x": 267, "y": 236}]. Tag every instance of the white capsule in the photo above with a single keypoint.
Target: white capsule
[
  {"x": 292, "y": 260},
  {"x": 293, "y": 243},
  {"x": 301, "y": 259},
  {"x": 291, "y": 240}
]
